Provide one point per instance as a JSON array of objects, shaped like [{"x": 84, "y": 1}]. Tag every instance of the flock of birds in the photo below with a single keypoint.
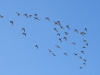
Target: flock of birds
[{"x": 58, "y": 34}]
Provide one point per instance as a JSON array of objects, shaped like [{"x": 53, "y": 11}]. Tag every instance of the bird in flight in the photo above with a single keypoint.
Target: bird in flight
[
  {"x": 84, "y": 40},
  {"x": 76, "y": 30},
  {"x": 82, "y": 33},
  {"x": 30, "y": 15},
  {"x": 75, "y": 54},
  {"x": 84, "y": 63},
  {"x": 86, "y": 44},
  {"x": 24, "y": 34},
  {"x": 1, "y": 16},
  {"x": 65, "y": 38},
  {"x": 26, "y": 15},
  {"x": 47, "y": 18},
  {"x": 66, "y": 33},
  {"x": 80, "y": 67},
  {"x": 49, "y": 50},
  {"x": 57, "y": 46},
  {"x": 17, "y": 13},
  {"x": 36, "y": 46},
  {"x": 84, "y": 60},
  {"x": 11, "y": 22},
  {"x": 35, "y": 18},
  {"x": 61, "y": 27},
  {"x": 55, "y": 23},
  {"x": 85, "y": 29},
  {"x": 58, "y": 22},
  {"x": 60, "y": 40},
  {"x": 23, "y": 29},
  {"x": 66, "y": 54},
  {"x": 55, "y": 29},
  {"x": 82, "y": 52},
  {"x": 80, "y": 57},
  {"x": 35, "y": 15},
  {"x": 73, "y": 43},
  {"x": 68, "y": 27},
  {"x": 58, "y": 34},
  {"x": 53, "y": 54},
  {"x": 83, "y": 46}
]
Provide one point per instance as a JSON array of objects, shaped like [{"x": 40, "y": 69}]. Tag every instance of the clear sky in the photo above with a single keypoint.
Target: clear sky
[{"x": 18, "y": 54}]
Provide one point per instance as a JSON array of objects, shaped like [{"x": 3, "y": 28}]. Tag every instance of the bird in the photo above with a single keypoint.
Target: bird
[
  {"x": 83, "y": 46},
  {"x": 82, "y": 52},
  {"x": 86, "y": 44},
  {"x": 84, "y": 40},
  {"x": 23, "y": 29},
  {"x": 36, "y": 46},
  {"x": 57, "y": 46},
  {"x": 55, "y": 29},
  {"x": 30, "y": 15},
  {"x": 55, "y": 23},
  {"x": 49, "y": 50},
  {"x": 66, "y": 33},
  {"x": 24, "y": 34},
  {"x": 80, "y": 57},
  {"x": 75, "y": 54},
  {"x": 84, "y": 60},
  {"x": 73, "y": 43},
  {"x": 82, "y": 33},
  {"x": 61, "y": 27},
  {"x": 26, "y": 15},
  {"x": 47, "y": 18},
  {"x": 11, "y": 22},
  {"x": 1, "y": 16},
  {"x": 35, "y": 15},
  {"x": 84, "y": 63},
  {"x": 80, "y": 67},
  {"x": 85, "y": 29},
  {"x": 68, "y": 27},
  {"x": 35, "y": 18},
  {"x": 75, "y": 30},
  {"x": 53, "y": 54},
  {"x": 66, "y": 54},
  {"x": 58, "y": 34},
  {"x": 17, "y": 13},
  {"x": 60, "y": 40},
  {"x": 65, "y": 38},
  {"x": 58, "y": 22}
]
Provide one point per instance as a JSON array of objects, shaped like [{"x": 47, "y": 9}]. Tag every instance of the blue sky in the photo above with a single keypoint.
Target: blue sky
[{"x": 18, "y": 54}]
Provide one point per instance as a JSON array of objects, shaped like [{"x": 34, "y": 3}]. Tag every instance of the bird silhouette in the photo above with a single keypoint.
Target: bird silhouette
[
  {"x": 53, "y": 54},
  {"x": 17, "y": 13},
  {"x": 55, "y": 23},
  {"x": 80, "y": 67},
  {"x": 49, "y": 50},
  {"x": 58, "y": 22},
  {"x": 23, "y": 29},
  {"x": 84, "y": 63},
  {"x": 84, "y": 60},
  {"x": 30, "y": 15},
  {"x": 82, "y": 52},
  {"x": 80, "y": 57},
  {"x": 35, "y": 15},
  {"x": 76, "y": 30},
  {"x": 36, "y": 46},
  {"x": 60, "y": 40},
  {"x": 61, "y": 27},
  {"x": 75, "y": 54},
  {"x": 57, "y": 46},
  {"x": 11, "y": 22},
  {"x": 47, "y": 18},
  {"x": 83, "y": 46},
  {"x": 68, "y": 27},
  {"x": 66, "y": 33},
  {"x": 58, "y": 34},
  {"x": 26, "y": 15},
  {"x": 35, "y": 18},
  {"x": 87, "y": 44},
  {"x": 82, "y": 33},
  {"x": 85, "y": 29},
  {"x": 55, "y": 29},
  {"x": 1, "y": 16},
  {"x": 24, "y": 34},
  {"x": 73, "y": 43},
  {"x": 84, "y": 40},
  {"x": 65, "y": 38},
  {"x": 66, "y": 54}
]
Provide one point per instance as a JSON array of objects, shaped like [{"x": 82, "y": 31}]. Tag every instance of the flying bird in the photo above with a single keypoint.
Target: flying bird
[
  {"x": 68, "y": 27},
  {"x": 23, "y": 29},
  {"x": 36, "y": 46},
  {"x": 26, "y": 15},
  {"x": 82, "y": 33},
  {"x": 66, "y": 54},
  {"x": 17, "y": 13},
  {"x": 83, "y": 46},
  {"x": 35, "y": 15},
  {"x": 73, "y": 43},
  {"x": 49, "y": 50},
  {"x": 24, "y": 34},
  {"x": 75, "y": 54},
  {"x": 1, "y": 16},
  {"x": 86, "y": 44},
  {"x": 80, "y": 67},
  {"x": 55, "y": 23},
  {"x": 58, "y": 34},
  {"x": 80, "y": 57},
  {"x": 85, "y": 29},
  {"x": 11, "y": 22},
  {"x": 82, "y": 52},
  {"x": 84, "y": 63},
  {"x": 66, "y": 33},
  {"x": 30, "y": 15},
  {"x": 58, "y": 22},
  {"x": 53, "y": 54},
  {"x": 60, "y": 40},
  {"x": 84, "y": 60},
  {"x": 47, "y": 18},
  {"x": 57, "y": 46},
  {"x": 76, "y": 30},
  {"x": 35, "y": 18},
  {"x": 55, "y": 29},
  {"x": 65, "y": 38}
]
